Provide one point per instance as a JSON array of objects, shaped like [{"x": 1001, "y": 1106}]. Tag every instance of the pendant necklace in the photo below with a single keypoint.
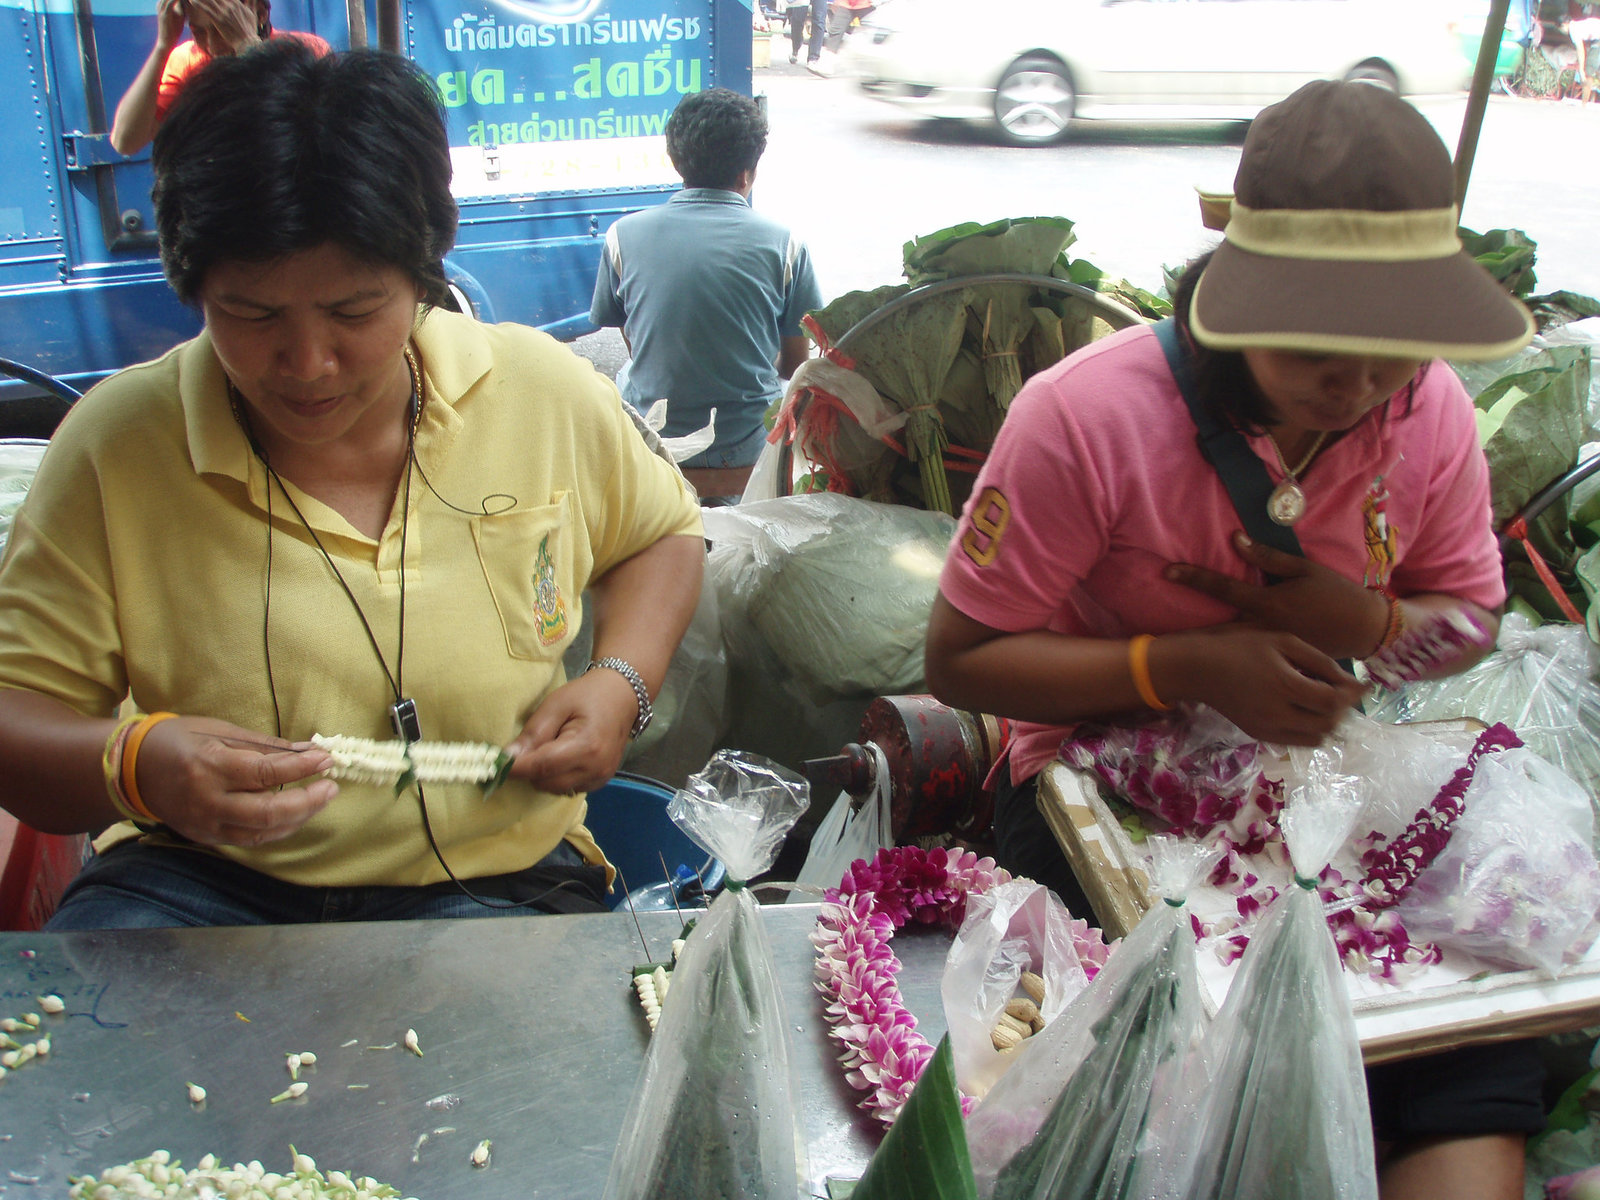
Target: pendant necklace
[
  {"x": 1287, "y": 504},
  {"x": 403, "y": 712}
]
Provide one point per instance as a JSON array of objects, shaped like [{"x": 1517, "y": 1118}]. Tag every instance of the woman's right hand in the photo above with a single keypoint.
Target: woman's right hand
[
  {"x": 221, "y": 785},
  {"x": 1272, "y": 685}
]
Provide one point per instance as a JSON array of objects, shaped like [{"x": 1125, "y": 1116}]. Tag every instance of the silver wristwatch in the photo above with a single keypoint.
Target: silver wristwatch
[{"x": 640, "y": 692}]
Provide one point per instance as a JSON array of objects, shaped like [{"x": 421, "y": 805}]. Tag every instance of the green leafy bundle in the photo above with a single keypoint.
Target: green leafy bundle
[{"x": 924, "y": 1155}]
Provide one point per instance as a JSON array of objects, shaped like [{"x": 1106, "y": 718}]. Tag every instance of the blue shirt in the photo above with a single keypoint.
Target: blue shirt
[{"x": 705, "y": 288}]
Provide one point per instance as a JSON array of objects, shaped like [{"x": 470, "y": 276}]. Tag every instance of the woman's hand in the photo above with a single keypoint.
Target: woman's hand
[
  {"x": 221, "y": 785},
  {"x": 232, "y": 23},
  {"x": 1336, "y": 615},
  {"x": 170, "y": 20},
  {"x": 574, "y": 741},
  {"x": 1270, "y": 684}
]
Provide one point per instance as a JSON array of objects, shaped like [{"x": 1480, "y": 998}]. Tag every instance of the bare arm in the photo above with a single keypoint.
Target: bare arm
[
  {"x": 134, "y": 126},
  {"x": 793, "y": 352},
  {"x": 1271, "y": 684},
  {"x": 211, "y": 781},
  {"x": 575, "y": 739}
]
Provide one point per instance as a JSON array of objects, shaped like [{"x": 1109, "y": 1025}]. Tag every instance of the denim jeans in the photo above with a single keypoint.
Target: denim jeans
[{"x": 140, "y": 886}]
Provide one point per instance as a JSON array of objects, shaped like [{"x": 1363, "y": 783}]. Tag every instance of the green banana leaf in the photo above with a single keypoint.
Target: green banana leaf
[
  {"x": 924, "y": 1155},
  {"x": 1031, "y": 245},
  {"x": 1507, "y": 254},
  {"x": 1531, "y": 424}
]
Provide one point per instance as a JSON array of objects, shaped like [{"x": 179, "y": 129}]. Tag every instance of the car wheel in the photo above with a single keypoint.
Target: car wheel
[
  {"x": 1377, "y": 74},
  {"x": 1034, "y": 102}
]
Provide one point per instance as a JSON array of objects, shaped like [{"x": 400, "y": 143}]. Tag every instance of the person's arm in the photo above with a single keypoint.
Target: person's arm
[
  {"x": 1272, "y": 685},
  {"x": 791, "y": 353},
  {"x": 575, "y": 739},
  {"x": 211, "y": 781},
  {"x": 134, "y": 126}
]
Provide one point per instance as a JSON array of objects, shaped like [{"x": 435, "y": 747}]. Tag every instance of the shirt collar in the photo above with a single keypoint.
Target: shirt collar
[
  {"x": 454, "y": 355},
  {"x": 709, "y": 196}
]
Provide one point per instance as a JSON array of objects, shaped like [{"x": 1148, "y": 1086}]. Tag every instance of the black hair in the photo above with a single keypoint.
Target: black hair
[
  {"x": 1223, "y": 380},
  {"x": 715, "y": 135},
  {"x": 277, "y": 150}
]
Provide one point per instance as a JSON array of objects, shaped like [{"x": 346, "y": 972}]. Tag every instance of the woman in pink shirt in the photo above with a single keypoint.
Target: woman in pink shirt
[{"x": 1100, "y": 567}]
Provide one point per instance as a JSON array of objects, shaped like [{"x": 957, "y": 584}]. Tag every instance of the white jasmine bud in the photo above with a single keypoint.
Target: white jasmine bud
[
  {"x": 197, "y": 1095},
  {"x": 53, "y": 1005},
  {"x": 412, "y": 1044},
  {"x": 292, "y": 1061},
  {"x": 42, "y": 1046},
  {"x": 293, "y": 1092},
  {"x": 307, "y": 1059},
  {"x": 480, "y": 1153}
]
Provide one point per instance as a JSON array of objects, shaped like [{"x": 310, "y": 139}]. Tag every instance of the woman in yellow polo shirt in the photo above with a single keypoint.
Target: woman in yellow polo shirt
[{"x": 337, "y": 511}]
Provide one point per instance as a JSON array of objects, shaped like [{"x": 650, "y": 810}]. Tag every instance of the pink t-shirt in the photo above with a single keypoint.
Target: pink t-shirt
[{"x": 1096, "y": 483}]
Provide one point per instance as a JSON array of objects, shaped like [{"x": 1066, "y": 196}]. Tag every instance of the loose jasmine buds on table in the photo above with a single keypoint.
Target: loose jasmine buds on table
[
  {"x": 412, "y": 1044},
  {"x": 53, "y": 1005},
  {"x": 197, "y": 1094},
  {"x": 480, "y": 1153},
  {"x": 293, "y": 1092}
]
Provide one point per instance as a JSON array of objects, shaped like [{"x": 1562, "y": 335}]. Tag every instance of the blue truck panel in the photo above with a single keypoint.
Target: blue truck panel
[{"x": 554, "y": 108}]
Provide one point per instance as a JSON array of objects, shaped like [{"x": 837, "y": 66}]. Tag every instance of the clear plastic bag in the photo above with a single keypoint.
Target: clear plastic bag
[
  {"x": 713, "y": 1114},
  {"x": 1015, "y": 927},
  {"x": 1191, "y": 768},
  {"x": 1539, "y": 681},
  {"x": 849, "y": 832},
  {"x": 1284, "y": 1109},
  {"x": 1067, "y": 1122},
  {"x": 1517, "y": 884}
]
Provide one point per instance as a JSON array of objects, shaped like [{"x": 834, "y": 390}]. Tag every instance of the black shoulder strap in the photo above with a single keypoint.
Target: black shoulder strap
[{"x": 1242, "y": 473}]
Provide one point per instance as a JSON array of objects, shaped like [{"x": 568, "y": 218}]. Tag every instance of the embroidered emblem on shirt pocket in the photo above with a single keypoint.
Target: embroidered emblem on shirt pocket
[
  {"x": 549, "y": 608},
  {"x": 528, "y": 558}
]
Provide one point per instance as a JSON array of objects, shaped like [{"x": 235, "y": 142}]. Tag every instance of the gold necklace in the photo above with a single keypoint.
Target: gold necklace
[{"x": 1287, "y": 504}]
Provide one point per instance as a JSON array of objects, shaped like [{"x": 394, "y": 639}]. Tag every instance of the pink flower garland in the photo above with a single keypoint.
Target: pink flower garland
[{"x": 884, "y": 1055}]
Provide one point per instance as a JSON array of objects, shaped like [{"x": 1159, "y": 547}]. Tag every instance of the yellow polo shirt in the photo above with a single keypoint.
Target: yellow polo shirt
[{"x": 139, "y": 566}]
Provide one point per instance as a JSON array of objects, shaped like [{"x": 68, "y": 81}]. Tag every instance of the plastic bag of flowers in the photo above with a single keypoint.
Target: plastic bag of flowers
[
  {"x": 1539, "y": 681},
  {"x": 713, "y": 1114},
  {"x": 1284, "y": 1109},
  {"x": 1014, "y": 927},
  {"x": 1192, "y": 768},
  {"x": 1068, "y": 1120},
  {"x": 1517, "y": 883}
]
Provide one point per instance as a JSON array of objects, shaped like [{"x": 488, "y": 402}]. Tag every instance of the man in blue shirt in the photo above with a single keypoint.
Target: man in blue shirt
[{"x": 708, "y": 292}]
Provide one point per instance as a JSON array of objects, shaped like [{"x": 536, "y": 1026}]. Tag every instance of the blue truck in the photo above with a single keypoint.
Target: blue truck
[{"x": 555, "y": 111}]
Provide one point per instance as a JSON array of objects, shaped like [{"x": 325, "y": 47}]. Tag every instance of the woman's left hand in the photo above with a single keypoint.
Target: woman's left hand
[
  {"x": 574, "y": 741},
  {"x": 1338, "y": 616}
]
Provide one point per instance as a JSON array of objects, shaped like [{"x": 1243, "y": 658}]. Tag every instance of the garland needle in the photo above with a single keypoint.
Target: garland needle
[
  {"x": 628, "y": 896},
  {"x": 671, "y": 890}
]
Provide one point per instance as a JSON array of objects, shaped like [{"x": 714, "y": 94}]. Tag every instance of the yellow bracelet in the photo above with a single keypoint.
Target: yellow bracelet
[
  {"x": 130, "y": 763},
  {"x": 1393, "y": 628},
  {"x": 1139, "y": 668},
  {"x": 111, "y": 766}
]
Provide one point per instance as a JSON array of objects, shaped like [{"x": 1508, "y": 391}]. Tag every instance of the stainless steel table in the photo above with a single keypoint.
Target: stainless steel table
[{"x": 530, "y": 1034}]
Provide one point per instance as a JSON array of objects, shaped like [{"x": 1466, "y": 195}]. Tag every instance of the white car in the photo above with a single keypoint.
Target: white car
[{"x": 1033, "y": 66}]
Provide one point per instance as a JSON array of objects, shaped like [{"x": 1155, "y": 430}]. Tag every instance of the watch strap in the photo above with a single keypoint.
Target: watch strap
[{"x": 640, "y": 692}]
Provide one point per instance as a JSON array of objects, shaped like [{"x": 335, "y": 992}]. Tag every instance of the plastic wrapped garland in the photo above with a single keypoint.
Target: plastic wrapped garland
[
  {"x": 1067, "y": 1122},
  {"x": 1539, "y": 681},
  {"x": 713, "y": 1114},
  {"x": 1517, "y": 884},
  {"x": 1281, "y": 1104}
]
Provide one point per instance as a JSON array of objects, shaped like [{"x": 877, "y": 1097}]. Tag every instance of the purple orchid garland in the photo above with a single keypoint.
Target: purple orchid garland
[
  {"x": 1209, "y": 786},
  {"x": 884, "y": 1055}
]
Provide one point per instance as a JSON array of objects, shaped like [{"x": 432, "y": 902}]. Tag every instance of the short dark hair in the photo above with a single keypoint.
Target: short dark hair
[
  {"x": 714, "y": 135},
  {"x": 278, "y": 150},
  {"x": 1222, "y": 379}
]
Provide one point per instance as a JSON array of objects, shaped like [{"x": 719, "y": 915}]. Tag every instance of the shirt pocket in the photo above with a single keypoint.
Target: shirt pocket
[{"x": 528, "y": 561}]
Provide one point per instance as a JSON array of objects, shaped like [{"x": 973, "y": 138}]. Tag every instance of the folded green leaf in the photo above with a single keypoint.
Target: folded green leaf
[{"x": 924, "y": 1156}]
